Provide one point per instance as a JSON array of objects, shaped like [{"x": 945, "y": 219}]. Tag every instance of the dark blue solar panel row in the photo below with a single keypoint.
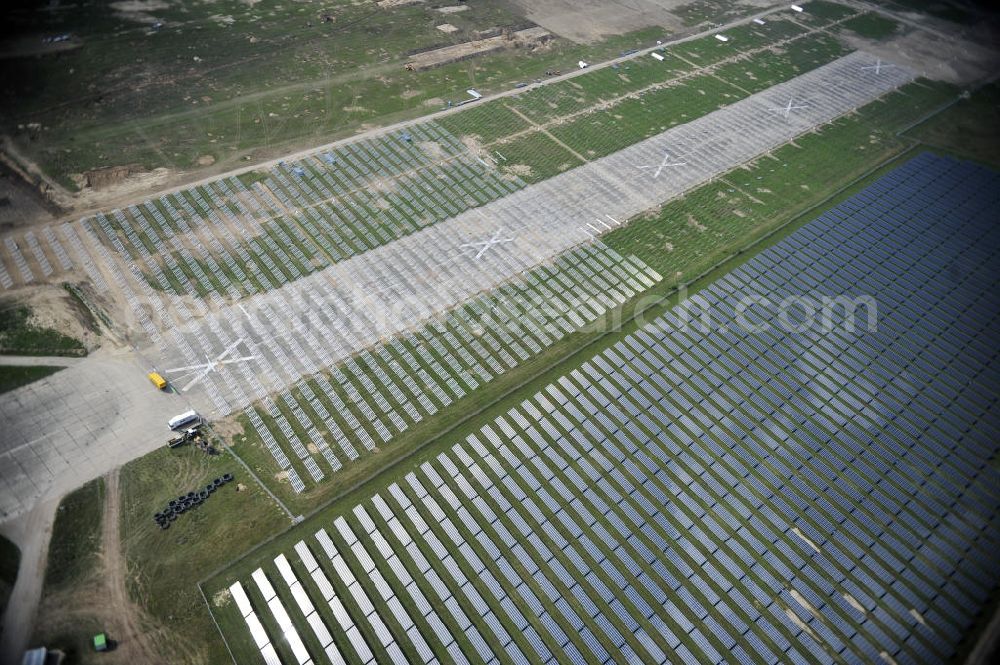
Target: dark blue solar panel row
[
  {"x": 811, "y": 473},
  {"x": 923, "y": 243}
]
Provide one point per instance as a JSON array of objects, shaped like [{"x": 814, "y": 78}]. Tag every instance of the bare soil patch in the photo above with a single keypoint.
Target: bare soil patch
[
  {"x": 226, "y": 428},
  {"x": 472, "y": 142},
  {"x": 139, "y": 5},
  {"x": 521, "y": 170},
  {"x": 695, "y": 224},
  {"x": 803, "y": 626},
  {"x": 123, "y": 190},
  {"x": 108, "y": 176},
  {"x": 953, "y": 60},
  {"x": 853, "y": 602},
  {"x": 137, "y": 11},
  {"x": 470, "y": 49},
  {"x": 52, "y": 307},
  {"x": 585, "y": 21},
  {"x": 20, "y": 203},
  {"x": 432, "y": 149},
  {"x": 135, "y": 637}
]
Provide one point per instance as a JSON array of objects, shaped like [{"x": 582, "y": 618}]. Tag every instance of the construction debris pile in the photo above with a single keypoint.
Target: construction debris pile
[{"x": 195, "y": 436}]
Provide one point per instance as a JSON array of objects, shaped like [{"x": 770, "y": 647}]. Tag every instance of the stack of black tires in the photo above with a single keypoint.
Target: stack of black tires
[{"x": 189, "y": 501}]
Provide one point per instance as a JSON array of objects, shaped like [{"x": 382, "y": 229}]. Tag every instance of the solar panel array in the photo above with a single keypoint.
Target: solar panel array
[
  {"x": 28, "y": 258},
  {"x": 810, "y": 495},
  {"x": 383, "y": 391},
  {"x": 233, "y": 242},
  {"x": 692, "y": 153},
  {"x": 440, "y": 267},
  {"x": 230, "y": 239},
  {"x": 238, "y": 236}
]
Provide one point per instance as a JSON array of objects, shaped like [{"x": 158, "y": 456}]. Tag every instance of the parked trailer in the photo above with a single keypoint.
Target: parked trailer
[{"x": 187, "y": 418}]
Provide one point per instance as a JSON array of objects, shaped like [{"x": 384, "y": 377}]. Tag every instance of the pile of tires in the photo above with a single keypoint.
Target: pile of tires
[{"x": 189, "y": 501}]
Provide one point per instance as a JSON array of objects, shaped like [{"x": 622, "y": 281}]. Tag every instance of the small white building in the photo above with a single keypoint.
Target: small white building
[
  {"x": 722, "y": 38},
  {"x": 657, "y": 56},
  {"x": 796, "y": 8},
  {"x": 582, "y": 65}
]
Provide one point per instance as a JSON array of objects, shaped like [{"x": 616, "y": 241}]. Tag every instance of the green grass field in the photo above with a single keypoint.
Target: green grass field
[
  {"x": 168, "y": 563},
  {"x": 228, "y": 81},
  {"x": 15, "y": 376},
  {"x": 19, "y": 336},
  {"x": 943, "y": 9},
  {"x": 966, "y": 129},
  {"x": 709, "y": 50},
  {"x": 76, "y": 537},
  {"x": 71, "y": 569},
  {"x": 606, "y": 110},
  {"x": 535, "y": 157},
  {"x": 872, "y": 26},
  {"x": 774, "y": 66},
  {"x": 823, "y": 12}
]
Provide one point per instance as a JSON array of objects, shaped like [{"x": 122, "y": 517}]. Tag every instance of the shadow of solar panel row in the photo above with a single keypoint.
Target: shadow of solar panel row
[{"x": 821, "y": 495}]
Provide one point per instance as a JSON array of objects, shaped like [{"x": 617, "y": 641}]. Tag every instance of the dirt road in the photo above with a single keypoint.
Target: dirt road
[{"x": 127, "y": 630}]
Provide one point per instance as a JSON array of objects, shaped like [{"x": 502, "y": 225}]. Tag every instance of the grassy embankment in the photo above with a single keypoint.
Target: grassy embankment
[{"x": 19, "y": 335}]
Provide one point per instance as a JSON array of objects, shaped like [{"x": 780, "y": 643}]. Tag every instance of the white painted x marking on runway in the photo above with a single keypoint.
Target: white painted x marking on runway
[
  {"x": 485, "y": 245},
  {"x": 877, "y": 67},
  {"x": 666, "y": 163},
  {"x": 788, "y": 108},
  {"x": 204, "y": 369}
]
